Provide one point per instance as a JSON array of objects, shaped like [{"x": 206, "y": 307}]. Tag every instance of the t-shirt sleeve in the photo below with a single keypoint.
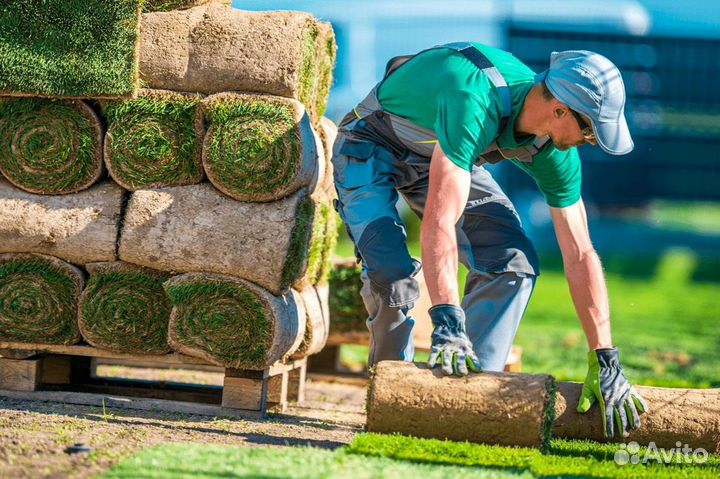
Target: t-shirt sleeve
[
  {"x": 557, "y": 173},
  {"x": 465, "y": 125}
]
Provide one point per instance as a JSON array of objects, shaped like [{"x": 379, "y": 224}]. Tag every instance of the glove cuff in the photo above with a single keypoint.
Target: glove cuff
[
  {"x": 605, "y": 357},
  {"x": 447, "y": 315}
]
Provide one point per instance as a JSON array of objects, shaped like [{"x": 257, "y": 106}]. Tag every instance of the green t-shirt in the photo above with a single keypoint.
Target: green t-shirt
[{"x": 444, "y": 91}]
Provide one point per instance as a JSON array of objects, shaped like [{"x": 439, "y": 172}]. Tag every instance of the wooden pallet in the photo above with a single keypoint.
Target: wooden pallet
[{"x": 47, "y": 372}]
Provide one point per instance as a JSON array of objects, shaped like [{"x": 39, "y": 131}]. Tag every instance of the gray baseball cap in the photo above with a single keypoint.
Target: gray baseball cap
[{"x": 591, "y": 84}]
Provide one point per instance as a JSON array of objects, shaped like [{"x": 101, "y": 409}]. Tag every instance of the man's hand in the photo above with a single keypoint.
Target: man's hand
[
  {"x": 450, "y": 343},
  {"x": 620, "y": 404}
]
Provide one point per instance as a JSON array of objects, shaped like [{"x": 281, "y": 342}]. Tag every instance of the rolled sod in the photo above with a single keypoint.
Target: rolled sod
[
  {"x": 322, "y": 242},
  {"x": 231, "y": 322},
  {"x": 212, "y": 49},
  {"x": 490, "y": 408},
  {"x": 258, "y": 147},
  {"x": 154, "y": 140},
  {"x": 327, "y": 48},
  {"x": 124, "y": 308},
  {"x": 317, "y": 325},
  {"x": 691, "y": 416},
  {"x": 328, "y": 253},
  {"x": 197, "y": 228},
  {"x": 69, "y": 48},
  {"x": 347, "y": 311},
  {"x": 38, "y": 299},
  {"x": 328, "y": 133},
  {"x": 50, "y": 147},
  {"x": 79, "y": 228},
  {"x": 167, "y": 5}
]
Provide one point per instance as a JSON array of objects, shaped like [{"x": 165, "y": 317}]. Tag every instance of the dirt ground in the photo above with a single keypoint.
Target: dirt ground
[{"x": 34, "y": 435}]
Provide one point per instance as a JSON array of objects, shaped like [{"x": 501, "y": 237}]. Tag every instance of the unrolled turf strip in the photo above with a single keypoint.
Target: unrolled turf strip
[
  {"x": 69, "y": 48},
  {"x": 124, "y": 308},
  {"x": 232, "y": 322},
  {"x": 258, "y": 147},
  {"x": 491, "y": 408},
  {"x": 79, "y": 228},
  {"x": 50, "y": 147},
  {"x": 197, "y": 228},
  {"x": 154, "y": 140},
  {"x": 38, "y": 299},
  {"x": 213, "y": 49}
]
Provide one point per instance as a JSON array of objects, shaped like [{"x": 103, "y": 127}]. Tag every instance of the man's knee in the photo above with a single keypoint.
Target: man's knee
[{"x": 389, "y": 266}]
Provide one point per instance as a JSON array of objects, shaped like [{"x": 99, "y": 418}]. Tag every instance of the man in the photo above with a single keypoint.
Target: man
[{"x": 424, "y": 132}]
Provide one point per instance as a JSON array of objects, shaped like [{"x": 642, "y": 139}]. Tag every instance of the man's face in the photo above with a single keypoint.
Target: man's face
[{"x": 569, "y": 128}]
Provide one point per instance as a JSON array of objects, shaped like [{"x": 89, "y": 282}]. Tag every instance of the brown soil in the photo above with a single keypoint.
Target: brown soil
[{"x": 34, "y": 435}]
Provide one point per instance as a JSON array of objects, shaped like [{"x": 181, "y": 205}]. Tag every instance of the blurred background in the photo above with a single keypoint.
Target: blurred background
[{"x": 654, "y": 213}]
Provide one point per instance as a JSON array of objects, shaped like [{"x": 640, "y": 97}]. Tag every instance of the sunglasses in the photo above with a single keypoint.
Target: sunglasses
[{"x": 585, "y": 129}]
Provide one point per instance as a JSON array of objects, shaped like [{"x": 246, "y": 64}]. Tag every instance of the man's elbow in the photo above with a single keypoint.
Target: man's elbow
[{"x": 579, "y": 258}]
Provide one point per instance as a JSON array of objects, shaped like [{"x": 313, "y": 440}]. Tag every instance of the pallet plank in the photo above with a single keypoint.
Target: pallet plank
[{"x": 20, "y": 374}]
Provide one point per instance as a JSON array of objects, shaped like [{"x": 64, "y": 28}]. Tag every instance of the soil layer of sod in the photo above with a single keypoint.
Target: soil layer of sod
[
  {"x": 69, "y": 48},
  {"x": 124, "y": 308},
  {"x": 154, "y": 140},
  {"x": 38, "y": 299},
  {"x": 50, "y": 147}
]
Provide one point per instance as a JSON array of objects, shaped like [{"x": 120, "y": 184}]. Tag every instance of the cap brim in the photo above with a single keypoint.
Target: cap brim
[{"x": 614, "y": 138}]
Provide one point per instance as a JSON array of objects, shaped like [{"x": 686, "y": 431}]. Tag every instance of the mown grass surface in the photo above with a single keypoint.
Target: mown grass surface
[
  {"x": 564, "y": 459},
  {"x": 211, "y": 462},
  {"x": 69, "y": 48}
]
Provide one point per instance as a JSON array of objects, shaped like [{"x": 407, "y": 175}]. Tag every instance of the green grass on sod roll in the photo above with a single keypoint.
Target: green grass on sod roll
[
  {"x": 328, "y": 253},
  {"x": 208, "y": 461},
  {"x": 49, "y": 146},
  {"x": 223, "y": 319},
  {"x": 318, "y": 243},
  {"x": 308, "y": 75},
  {"x": 126, "y": 311},
  {"x": 299, "y": 243},
  {"x": 254, "y": 144},
  {"x": 565, "y": 458},
  {"x": 69, "y": 48},
  {"x": 347, "y": 311},
  {"x": 154, "y": 140},
  {"x": 326, "y": 63},
  {"x": 38, "y": 300}
]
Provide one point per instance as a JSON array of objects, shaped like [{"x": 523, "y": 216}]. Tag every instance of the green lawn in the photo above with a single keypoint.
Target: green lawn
[{"x": 383, "y": 456}]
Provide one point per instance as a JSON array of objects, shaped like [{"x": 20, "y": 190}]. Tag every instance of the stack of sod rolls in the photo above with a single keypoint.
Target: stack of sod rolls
[{"x": 193, "y": 214}]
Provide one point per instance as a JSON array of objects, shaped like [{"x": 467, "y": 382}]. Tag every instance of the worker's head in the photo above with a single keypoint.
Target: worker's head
[{"x": 587, "y": 97}]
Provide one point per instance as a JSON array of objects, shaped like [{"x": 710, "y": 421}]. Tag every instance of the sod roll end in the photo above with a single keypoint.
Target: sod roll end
[
  {"x": 231, "y": 322},
  {"x": 154, "y": 140},
  {"x": 124, "y": 308},
  {"x": 258, "y": 147},
  {"x": 316, "y": 321},
  {"x": 691, "y": 416},
  {"x": 38, "y": 299},
  {"x": 50, "y": 147},
  {"x": 491, "y": 408}
]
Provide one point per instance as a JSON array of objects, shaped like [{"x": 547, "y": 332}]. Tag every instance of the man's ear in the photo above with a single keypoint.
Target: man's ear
[{"x": 559, "y": 112}]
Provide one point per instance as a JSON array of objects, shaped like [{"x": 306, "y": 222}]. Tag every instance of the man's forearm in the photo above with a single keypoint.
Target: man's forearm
[
  {"x": 439, "y": 254},
  {"x": 589, "y": 294}
]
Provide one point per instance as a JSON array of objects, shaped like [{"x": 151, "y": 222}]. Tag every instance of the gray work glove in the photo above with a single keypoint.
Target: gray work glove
[
  {"x": 450, "y": 343},
  {"x": 620, "y": 404}
]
